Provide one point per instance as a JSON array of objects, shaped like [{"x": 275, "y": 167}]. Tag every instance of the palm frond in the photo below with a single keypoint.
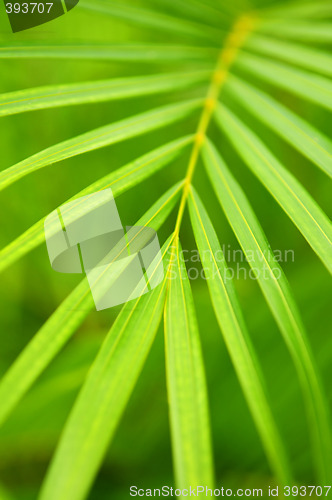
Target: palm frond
[
  {"x": 237, "y": 339},
  {"x": 63, "y": 323},
  {"x": 229, "y": 37},
  {"x": 309, "y": 58},
  {"x": 144, "y": 53},
  {"x": 307, "y": 31},
  {"x": 276, "y": 290},
  {"x": 154, "y": 20},
  {"x": 97, "y": 91},
  {"x": 300, "y": 134},
  {"x": 309, "y": 86},
  {"x": 104, "y": 396},
  {"x": 119, "y": 181},
  {"x": 302, "y": 10},
  {"x": 99, "y": 138}
]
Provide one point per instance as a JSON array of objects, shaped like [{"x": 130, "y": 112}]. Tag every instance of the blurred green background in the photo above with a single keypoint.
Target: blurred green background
[{"x": 30, "y": 290}]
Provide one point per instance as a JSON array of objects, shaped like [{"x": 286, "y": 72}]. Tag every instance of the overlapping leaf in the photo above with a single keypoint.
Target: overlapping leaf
[
  {"x": 62, "y": 324},
  {"x": 200, "y": 10},
  {"x": 305, "y": 31},
  {"x": 119, "y": 181},
  {"x": 284, "y": 187},
  {"x": 148, "y": 53},
  {"x": 104, "y": 396},
  {"x": 309, "y": 86},
  {"x": 309, "y": 58},
  {"x": 304, "y": 137},
  {"x": 100, "y": 137},
  {"x": 187, "y": 395},
  {"x": 298, "y": 9},
  {"x": 153, "y": 20},
  {"x": 98, "y": 91}
]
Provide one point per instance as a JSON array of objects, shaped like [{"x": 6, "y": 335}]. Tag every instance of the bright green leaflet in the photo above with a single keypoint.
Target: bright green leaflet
[
  {"x": 237, "y": 339},
  {"x": 63, "y": 323},
  {"x": 154, "y": 20},
  {"x": 309, "y": 86},
  {"x": 200, "y": 10},
  {"x": 99, "y": 138},
  {"x": 300, "y": 134},
  {"x": 96, "y": 91},
  {"x": 104, "y": 396},
  {"x": 305, "y": 31},
  {"x": 300, "y": 9},
  {"x": 186, "y": 385},
  {"x": 119, "y": 181},
  {"x": 284, "y": 187},
  {"x": 275, "y": 288},
  {"x": 147, "y": 53},
  {"x": 309, "y": 58}
]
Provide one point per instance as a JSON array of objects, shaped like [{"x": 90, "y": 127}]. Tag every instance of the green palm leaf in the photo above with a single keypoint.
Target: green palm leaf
[
  {"x": 312, "y": 59},
  {"x": 300, "y": 134},
  {"x": 63, "y": 323},
  {"x": 306, "y": 31},
  {"x": 309, "y": 86},
  {"x": 98, "y": 91},
  {"x": 277, "y": 293},
  {"x": 104, "y": 396},
  {"x": 154, "y": 20},
  {"x": 200, "y": 10},
  {"x": 288, "y": 192},
  {"x": 297, "y": 9},
  {"x": 98, "y": 138},
  {"x": 119, "y": 181},
  {"x": 188, "y": 407},
  {"x": 267, "y": 45},
  {"x": 232, "y": 325},
  {"x": 147, "y": 53}
]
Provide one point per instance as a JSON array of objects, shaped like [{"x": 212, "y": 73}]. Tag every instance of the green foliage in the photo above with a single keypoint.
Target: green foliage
[
  {"x": 262, "y": 96},
  {"x": 289, "y": 193},
  {"x": 101, "y": 137},
  {"x": 189, "y": 415},
  {"x": 278, "y": 295},
  {"x": 312, "y": 87}
]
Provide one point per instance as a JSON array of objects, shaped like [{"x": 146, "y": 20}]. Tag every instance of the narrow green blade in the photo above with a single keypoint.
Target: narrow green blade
[
  {"x": 200, "y": 10},
  {"x": 154, "y": 20},
  {"x": 99, "y": 138},
  {"x": 305, "y": 31},
  {"x": 98, "y": 91},
  {"x": 311, "y": 87},
  {"x": 276, "y": 290},
  {"x": 234, "y": 330},
  {"x": 186, "y": 385},
  {"x": 299, "y": 133},
  {"x": 104, "y": 396},
  {"x": 119, "y": 181},
  {"x": 63, "y": 323},
  {"x": 310, "y": 58},
  {"x": 283, "y": 186},
  {"x": 148, "y": 53}
]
